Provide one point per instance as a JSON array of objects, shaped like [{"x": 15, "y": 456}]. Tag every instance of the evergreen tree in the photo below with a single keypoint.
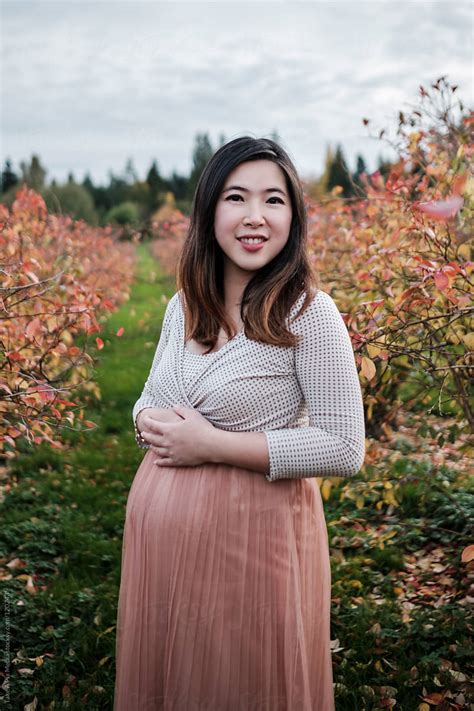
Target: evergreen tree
[
  {"x": 328, "y": 161},
  {"x": 130, "y": 175},
  {"x": 156, "y": 186},
  {"x": 360, "y": 168},
  {"x": 339, "y": 174},
  {"x": 178, "y": 185},
  {"x": 153, "y": 178},
  {"x": 88, "y": 184},
  {"x": 383, "y": 166},
  {"x": 9, "y": 178},
  {"x": 70, "y": 179},
  {"x": 201, "y": 155},
  {"x": 34, "y": 174}
]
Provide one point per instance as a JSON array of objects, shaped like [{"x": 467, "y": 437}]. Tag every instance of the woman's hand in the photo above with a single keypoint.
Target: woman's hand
[
  {"x": 163, "y": 414},
  {"x": 183, "y": 442}
]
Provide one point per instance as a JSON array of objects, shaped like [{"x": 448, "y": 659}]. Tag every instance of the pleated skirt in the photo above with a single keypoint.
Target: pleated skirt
[{"x": 225, "y": 591}]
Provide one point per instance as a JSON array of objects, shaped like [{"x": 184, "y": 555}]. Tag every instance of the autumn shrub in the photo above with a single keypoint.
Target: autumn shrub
[
  {"x": 60, "y": 277},
  {"x": 169, "y": 228},
  {"x": 398, "y": 261}
]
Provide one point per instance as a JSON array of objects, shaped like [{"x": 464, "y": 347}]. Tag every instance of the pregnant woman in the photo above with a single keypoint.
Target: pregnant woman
[{"x": 253, "y": 392}]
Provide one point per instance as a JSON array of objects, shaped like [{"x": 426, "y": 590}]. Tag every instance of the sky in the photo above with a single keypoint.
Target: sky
[{"x": 88, "y": 85}]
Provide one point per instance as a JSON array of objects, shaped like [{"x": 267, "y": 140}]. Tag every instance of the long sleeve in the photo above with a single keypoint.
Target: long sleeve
[
  {"x": 146, "y": 398},
  {"x": 334, "y": 443}
]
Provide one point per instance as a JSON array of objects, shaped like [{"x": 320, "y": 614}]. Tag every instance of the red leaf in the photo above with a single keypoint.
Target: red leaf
[
  {"x": 441, "y": 280},
  {"x": 120, "y": 331},
  {"x": 34, "y": 328},
  {"x": 100, "y": 343}
]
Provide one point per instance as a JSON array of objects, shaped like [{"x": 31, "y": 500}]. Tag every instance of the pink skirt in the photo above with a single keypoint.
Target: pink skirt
[{"x": 225, "y": 593}]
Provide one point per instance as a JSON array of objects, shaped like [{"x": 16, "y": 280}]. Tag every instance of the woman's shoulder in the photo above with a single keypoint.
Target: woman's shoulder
[
  {"x": 320, "y": 305},
  {"x": 172, "y": 308}
]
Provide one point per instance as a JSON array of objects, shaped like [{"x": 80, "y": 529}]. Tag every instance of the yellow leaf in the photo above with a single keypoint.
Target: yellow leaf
[
  {"x": 360, "y": 502},
  {"x": 326, "y": 489},
  {"x": 468, "y": 339},
  {"x": 368, "y": 368},
  {"x": 373, "y": 350}
]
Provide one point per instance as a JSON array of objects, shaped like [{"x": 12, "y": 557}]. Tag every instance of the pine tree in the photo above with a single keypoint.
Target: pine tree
[
  {"x": 34, "y": 174},
  {"x": 360, "y": 168},
  {"x": 156, "y": 186},
  {"x": 383, "y": 166},
  {"x": 202, "y": 153},
  {"x": 130, "y": 175},
  {"x": 339, "y": 174},
  {"x": 9, "y": 178}
]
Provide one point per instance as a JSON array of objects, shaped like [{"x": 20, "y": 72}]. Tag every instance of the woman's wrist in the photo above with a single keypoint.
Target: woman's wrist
[{"x": 138, "y": 427}]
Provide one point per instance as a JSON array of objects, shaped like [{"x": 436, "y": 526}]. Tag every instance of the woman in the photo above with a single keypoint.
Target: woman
[{"x": 253, "y": 392}]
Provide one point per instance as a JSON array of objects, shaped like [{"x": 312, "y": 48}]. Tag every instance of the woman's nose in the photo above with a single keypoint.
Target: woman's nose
[{"x": 254, "y": 215}]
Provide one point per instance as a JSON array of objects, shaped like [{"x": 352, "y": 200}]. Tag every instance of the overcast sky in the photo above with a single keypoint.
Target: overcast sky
[{"x": 87, "y": 85}]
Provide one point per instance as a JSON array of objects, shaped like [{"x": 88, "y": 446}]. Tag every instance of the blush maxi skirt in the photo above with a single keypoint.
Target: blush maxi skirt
[{"x": 225, "y": 593}]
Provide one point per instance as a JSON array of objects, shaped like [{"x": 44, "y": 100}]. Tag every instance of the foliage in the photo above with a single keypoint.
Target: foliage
[
  {"x": 71, "y": 199},
  {"x": 399, "y": 263},
  {"x": 125, "y": 213},
  {"x": 60, "y": 277},
  {"x": 169, "y": 229}
]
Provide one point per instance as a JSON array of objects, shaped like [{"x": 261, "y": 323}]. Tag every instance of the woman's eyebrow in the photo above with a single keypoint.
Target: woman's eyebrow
[{"x": 246, "y": 190}]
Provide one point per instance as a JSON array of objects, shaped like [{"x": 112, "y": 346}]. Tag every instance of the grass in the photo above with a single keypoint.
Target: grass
[{"x": 399, "y": 625}]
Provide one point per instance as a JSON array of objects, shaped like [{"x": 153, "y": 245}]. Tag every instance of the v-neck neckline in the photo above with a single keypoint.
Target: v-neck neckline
[{"x": 203, "y": 355}]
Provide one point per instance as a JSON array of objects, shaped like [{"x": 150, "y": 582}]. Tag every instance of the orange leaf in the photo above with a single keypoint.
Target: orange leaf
[
  {"x": 468, "y": 554},
  {"x": 368, "y": 368}
]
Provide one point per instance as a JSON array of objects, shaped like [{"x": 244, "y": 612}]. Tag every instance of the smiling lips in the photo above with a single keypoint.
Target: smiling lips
[{"x": 252, "y": 243}]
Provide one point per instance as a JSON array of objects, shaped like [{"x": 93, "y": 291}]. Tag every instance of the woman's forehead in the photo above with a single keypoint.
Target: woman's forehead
[{"x": 260, "y": 174}]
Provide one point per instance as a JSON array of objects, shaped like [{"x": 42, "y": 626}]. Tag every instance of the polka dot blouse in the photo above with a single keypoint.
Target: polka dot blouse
[{"x": 307, "y": 399}]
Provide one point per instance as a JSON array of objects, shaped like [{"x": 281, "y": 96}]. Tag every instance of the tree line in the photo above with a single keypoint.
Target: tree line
[{"x": 130, "y": 200}]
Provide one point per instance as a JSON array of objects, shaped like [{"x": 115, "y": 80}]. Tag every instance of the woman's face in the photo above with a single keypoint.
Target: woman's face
[{"x": 253, "y": 201}]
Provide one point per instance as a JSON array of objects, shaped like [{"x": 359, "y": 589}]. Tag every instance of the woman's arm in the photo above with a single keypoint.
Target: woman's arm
[
  {"x": 334, "y": 443},
  {"x": 147, "y": 399},
  {"x": 248, "y": 450}
]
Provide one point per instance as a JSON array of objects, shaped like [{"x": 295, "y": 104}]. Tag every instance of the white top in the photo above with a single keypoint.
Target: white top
[{"x": 307, "y": 398}]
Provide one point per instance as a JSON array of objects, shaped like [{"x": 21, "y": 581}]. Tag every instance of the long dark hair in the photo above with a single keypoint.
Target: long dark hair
[{"x": 273, "y": 289}]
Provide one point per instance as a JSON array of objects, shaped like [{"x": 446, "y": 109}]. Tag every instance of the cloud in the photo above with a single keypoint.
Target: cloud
[{"x": 87, "y": 84}]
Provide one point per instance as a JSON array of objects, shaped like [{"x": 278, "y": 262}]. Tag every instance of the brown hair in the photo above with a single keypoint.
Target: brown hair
[{"x": 273, "y": 289}]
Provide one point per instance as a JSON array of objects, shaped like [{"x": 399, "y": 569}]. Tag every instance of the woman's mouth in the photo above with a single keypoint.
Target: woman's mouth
[{"x": 252, "y": 244}]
